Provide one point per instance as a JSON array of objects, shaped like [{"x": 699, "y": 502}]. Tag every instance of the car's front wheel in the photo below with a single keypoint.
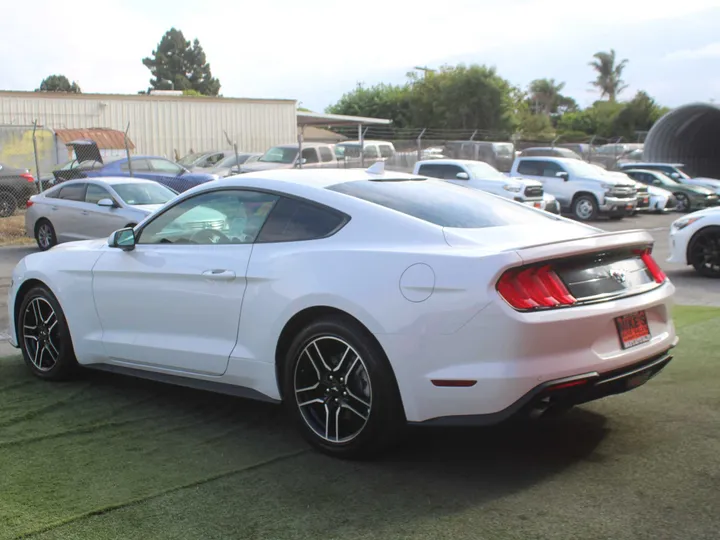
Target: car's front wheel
[
  {"x": 44, "y": 336},
  {"x": 341, "y": 391},
  {"x": 704, "y": 252},
  {"x": 683, "y": 203}
]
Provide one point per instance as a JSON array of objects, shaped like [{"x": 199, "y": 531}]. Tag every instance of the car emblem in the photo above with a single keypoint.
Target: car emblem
[{"x": 618, "y": 276}]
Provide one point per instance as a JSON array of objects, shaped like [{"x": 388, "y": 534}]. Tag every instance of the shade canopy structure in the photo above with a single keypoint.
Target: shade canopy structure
[
  {"x": 307, "y": 119},
  {"x": 689, "y": 135}
]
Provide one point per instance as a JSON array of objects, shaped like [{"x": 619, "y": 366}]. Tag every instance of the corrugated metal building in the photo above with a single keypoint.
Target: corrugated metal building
[{"x": 160, "y": 124}]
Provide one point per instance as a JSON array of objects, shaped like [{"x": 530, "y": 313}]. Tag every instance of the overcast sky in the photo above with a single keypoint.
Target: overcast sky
[{"x": 315, "y": 50}]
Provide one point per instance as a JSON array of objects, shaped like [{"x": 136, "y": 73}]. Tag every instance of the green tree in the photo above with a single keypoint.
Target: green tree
[
  {"x": 178, "y": 64},
  {"x": 638, "y": 115},
  {"x": 545, "y": 95},
  {"x": 379, "y": 101},
  {"x": 58, "y": 83},
  {"x": 609, "y": 74}
]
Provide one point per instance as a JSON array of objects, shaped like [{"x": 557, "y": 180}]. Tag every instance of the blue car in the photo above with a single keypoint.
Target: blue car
[{"x": 89, "y": 163}]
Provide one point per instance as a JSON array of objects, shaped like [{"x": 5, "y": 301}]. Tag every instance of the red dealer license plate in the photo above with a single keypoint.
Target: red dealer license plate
[{"x": 633, "y": 329}]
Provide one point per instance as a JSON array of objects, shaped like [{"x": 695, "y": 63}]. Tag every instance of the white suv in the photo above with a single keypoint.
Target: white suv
[{"x": 485, "y": 177}]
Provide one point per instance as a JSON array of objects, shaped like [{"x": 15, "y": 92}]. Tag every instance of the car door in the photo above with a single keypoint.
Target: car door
[
  {"x": 449, "y": 172},
  {"x": 66, "y": 214},
  {"x": 173, "y": 302},
  {"x": 310, "y": 155},
  {"x": 99, "y": 221}
]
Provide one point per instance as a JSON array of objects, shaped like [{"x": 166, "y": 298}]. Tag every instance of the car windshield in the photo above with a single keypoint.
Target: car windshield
[
  {"x": 232, "y": 160},
  {"x": 444, "y": 204},
  {"x": 681, "y": 171},
  {"x": 503, "y": 149},
  {"x": 581, "y": 168},
  {"x": 280, "y": 154},
  {"x": 482, "y": 170},
  {"x": 188, "y": 160},
  {"x": 139, "y": 194}
]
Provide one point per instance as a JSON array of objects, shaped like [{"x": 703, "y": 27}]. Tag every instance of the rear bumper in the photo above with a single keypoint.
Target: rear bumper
[{"x": 567, "y": 391}]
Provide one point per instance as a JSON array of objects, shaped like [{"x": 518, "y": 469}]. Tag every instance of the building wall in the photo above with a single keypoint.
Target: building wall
[{"x": 161, "y": 125}]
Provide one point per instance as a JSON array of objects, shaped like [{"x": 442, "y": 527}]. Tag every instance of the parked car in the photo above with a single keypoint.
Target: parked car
[
  {"x": 676, "y": 172},
  {"x": 90, "y": 164},
  {"x": 480, "y": 175},
  {"x": 498, "y": 154},
  {"x": 550, "y": 151},
  {"x": 16, "y": 187},
  {"x": 91, "y": 208},
  {"x": 579, "y": 187},
  {"x": 643, "y": 195},
  {"x": 231, "y": 164},
  {"x": 688, "y": 197},
  {"x": 285, "y": 156},
  {"x": 372, "y": 150},
  {"x": 453, "y": 306},
  {"x": 695, "y": 241},
  {"x": 201, "y": 161}
]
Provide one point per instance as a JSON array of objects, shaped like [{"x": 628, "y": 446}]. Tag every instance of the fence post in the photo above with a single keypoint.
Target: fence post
[
  {"x": 419, "y": 144},
  {"x": 473, "y": 135},
  {"x": 39, "y": 188},
  {"x": 127, "y": 150},
  {"x": 234, "y": 145}
]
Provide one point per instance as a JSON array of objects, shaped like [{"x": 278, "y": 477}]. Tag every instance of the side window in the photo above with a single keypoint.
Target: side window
[
  {"x": 72, "y": 192},
  {"x": 137, "y": 165},
  {"x": 371, "y": 152},
  {"x": 310, "y": 155},
  {"x": 450, "y": 172},
  {"x": 216, "y": 217},
  {"x": 325, "y": 154},
  {"x": 94, "y": 193},
  {"x": 531, "y": 168},
  {"x": 214, "y": 159},
  {"x": 292, "y": 221},
  {"x": 164, "y": 166},
  {"x": 386, "y": 151},
  {"x": 549, "y": 169},
  {"x": 430, "y": 170}
]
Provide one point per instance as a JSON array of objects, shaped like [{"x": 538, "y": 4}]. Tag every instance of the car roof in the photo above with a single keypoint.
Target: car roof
[
  {"x": 449, "y": 162},
  {"x": 640, "y": 169},
  {"x": 651, "y": 163},
  {"x": 109, "y": 180},
  {"x": 315, "y": 178},
  {"x": 548, "y": 158}
]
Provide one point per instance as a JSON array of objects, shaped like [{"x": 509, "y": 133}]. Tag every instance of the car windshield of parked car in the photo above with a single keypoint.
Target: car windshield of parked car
[
  {"x": 666, "y": 180},
  {"x": 280, "y": 154},
  {"x": 142, "y": 194},
  {"x": 580, "y": 168},
  {"x": 483, "y": 171},
  {"x": 503, "y": 149},
  {"x": 444, "y": 204},
  {"x": 188, "y": 160}
]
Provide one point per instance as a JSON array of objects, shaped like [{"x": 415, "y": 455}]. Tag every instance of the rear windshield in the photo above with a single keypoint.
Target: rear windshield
[{"x": 443, "y": 203}]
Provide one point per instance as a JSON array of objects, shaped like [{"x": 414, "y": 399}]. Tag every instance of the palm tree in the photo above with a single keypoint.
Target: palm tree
[
  {"x": 546, "y": 93},
  {"x": 609, "y": 74}
]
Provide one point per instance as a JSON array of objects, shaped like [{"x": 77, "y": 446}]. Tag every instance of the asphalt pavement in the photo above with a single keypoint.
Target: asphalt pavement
[{"x": 691, "y": 288}]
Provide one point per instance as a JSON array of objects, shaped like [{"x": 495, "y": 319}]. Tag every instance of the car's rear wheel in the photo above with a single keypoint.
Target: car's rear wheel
[
  {"x": 45, "y": 235},
  {"x": 44, "y": 336},
  {"x": 8, "y": 204},
  {"x": 704, "y": 252},
  {"x": 683, "y": 202},
  {"x": 585, "y": 208},
  {"x": 341, "y": 391}
]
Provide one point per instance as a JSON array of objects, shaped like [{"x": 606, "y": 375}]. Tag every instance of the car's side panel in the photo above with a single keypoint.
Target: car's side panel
[{"x": 67, "y": 271}]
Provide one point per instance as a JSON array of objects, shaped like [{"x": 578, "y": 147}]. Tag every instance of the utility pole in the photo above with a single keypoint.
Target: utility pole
[{"x": 424, "y": 69}]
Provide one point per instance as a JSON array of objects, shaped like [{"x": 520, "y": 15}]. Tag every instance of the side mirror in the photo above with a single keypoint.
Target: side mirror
[
  {"x": 674, "y": 175},
  {"x": 462, "y": 176},
  {"x": 123, "y": 239},
  {"x": 106, "y": 202},
  {"x": 562, "y": 174}
]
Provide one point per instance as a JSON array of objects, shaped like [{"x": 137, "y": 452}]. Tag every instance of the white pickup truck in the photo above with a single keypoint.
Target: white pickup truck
[
  {"x": 485, "y": 177},
  {"x": 579, "y": 187}
]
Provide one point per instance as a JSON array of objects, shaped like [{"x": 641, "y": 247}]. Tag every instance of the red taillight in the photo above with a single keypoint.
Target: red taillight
[
  {"x": 652, "y": 266},
  {"x": 534, "y": 287},
  {"x": 28, "y": 204},
  {"x": 27, "y": 176}
]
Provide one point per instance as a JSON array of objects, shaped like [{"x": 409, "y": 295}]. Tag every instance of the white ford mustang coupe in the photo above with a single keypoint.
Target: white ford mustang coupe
[{"x": 364, "y": 300}]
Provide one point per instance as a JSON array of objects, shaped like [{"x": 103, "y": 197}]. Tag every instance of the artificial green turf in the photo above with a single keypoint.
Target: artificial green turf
[{"x": 109, "y": 457}]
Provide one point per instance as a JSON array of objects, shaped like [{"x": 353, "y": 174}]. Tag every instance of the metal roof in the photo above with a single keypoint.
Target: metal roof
[
  {"x": 106, "y": 139},
  {"x": 318, "y": 119}
]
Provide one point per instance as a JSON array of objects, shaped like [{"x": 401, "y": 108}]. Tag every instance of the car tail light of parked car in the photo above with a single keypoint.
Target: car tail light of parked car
[
  {"x": 580, "y": 280},
  {"x": 29, "y": 177}
]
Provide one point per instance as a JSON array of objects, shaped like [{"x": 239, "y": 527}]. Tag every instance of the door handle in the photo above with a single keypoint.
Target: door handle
[
  {"x": 53, "y": 208},
  {"x": 85, "y": 213},
  {"x": 219, "y": 274}
]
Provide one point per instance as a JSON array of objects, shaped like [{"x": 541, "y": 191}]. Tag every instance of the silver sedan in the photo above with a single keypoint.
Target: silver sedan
[{"x": 91, "y": 208}]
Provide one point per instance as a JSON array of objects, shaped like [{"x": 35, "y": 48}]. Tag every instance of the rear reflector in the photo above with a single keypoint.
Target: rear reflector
[
  {"x": 568, "y": 384},
  {"x": 27, "y": 176},
  {"x": 456, "y": 383},
  {"x": 534, "y": 287},
  {"x": 652, "y": 266}
]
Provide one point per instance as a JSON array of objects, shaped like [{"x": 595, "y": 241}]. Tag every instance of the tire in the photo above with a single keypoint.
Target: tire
[
  {"x": 585, "y": 208},
  {"x": 352, "y": 371},
  {"x": 45, "y": 340},
  {"x": 45, "y": 234},
  {"x": 616, "y": 217},
  {"x": 704, "y": 252},
  {"x": 8, "y": 204},
  {"x": 683, "y": 203}
]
